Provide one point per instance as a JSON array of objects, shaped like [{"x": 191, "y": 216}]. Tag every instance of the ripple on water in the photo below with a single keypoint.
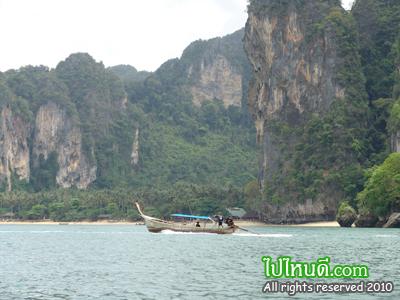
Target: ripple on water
[
  {"x": 387, "y": 235},
  {"x": 127, "y": 262},
  {"x": 274, "y": 235},
  {"x": 243, "y": 234}
]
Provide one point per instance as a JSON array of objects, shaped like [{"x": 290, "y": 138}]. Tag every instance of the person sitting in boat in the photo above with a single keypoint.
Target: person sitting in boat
[
  {"x": 198, "y": 223},
  {"x": 229, "y": 222}
]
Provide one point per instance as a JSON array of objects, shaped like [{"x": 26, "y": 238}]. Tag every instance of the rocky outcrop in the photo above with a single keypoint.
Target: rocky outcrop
[
  {"x": 14, "y": 150},
  {"x": 292, "y": 76},
  {"x": 298, "y": 65},
  {"x": 215, "y": 69},
  {"x": 59, "y": 127},
  {"x": 55, "y": 132},
  {"x": 393, "y": 221},
  {"x": 297, "y": 213},
  {"x": 217, "y": 80},
  {"x": 366, "y": 219},
  {"x": 346, "y": 215}
]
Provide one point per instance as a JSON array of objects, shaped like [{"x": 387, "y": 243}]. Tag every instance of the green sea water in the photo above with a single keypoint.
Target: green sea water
[{"x": 127, "y": 262}]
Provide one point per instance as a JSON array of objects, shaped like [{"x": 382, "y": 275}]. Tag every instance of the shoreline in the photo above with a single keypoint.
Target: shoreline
[
  {"x": 136, "y": 223},
  {"x": 308, "y": 224},
  {"x": 49, "y": 222}
]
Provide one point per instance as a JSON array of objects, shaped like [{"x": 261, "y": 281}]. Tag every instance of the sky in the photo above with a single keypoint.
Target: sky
[{"x": 142, "y": 33}]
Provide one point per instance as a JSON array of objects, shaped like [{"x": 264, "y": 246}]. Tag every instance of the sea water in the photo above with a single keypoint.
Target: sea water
[{"x": 127, "y": 262}]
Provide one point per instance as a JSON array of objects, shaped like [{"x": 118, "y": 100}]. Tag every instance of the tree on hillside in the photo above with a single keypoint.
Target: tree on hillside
[{"x": 381, "y": 194}]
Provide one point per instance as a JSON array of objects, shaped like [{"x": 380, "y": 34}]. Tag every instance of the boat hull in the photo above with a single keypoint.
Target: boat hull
[{"x": 157, "y": 225}]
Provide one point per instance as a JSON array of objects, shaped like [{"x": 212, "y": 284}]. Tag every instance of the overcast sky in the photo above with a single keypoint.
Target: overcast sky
[{"x": 142, "y": 33}]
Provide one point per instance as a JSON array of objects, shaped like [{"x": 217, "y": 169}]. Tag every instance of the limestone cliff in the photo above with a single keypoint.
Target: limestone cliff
[
  {"x": 55, "y": 132},
  {"x": 66, "y": 127},
  {"x": 215, "y": 69},
  {"x": 300, "y": 72},
  {"x": 217, "y": 80},
  {"x": 291, "y": 74},
  {"x": 14, "y": 150}
]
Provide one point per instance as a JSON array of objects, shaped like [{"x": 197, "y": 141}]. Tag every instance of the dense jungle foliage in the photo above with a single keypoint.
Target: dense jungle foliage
[
  {"x": 190, "y": 158},
  {"x": 204, "y": 159}
]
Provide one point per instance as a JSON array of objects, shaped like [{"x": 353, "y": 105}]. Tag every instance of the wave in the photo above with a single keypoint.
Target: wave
[
  {"x": 386, "y": 235},
  {"x": 68, "y": 231},
  {"x": 277, "y": 235},
  {"x": 167, "y": 231},
  {"x": 32, "y": 231}
]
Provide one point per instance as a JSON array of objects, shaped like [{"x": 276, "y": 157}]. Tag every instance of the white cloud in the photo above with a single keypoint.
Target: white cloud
[{"x": 141, "y": 33}]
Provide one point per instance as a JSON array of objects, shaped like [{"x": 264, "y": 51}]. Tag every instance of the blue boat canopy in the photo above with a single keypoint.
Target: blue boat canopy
[{"x": 190, "y": 216}]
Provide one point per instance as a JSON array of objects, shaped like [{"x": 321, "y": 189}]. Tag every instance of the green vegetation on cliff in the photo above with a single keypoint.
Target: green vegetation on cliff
[
  {"x": 36, "y": 86},
  {"x": 382, "y": 190},
  {"x": 189, "y": 157},
  {"x": 346, "y": 214},
  {"x": 379, "y": 26},
  {"x": 394, "y": 118},
  {"x": 321, "y": 152},
  {"x": 128, "y": 73}
]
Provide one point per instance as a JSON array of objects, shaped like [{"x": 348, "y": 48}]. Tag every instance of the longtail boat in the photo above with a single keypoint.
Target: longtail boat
[{"x": 189, "y": 223}]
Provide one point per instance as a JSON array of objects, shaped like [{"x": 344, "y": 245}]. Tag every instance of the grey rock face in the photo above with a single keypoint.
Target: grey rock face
[
  {"x": 297, "y": 213},
  {"x": 393, "y": 221},
  {"x": 294, "y": 51},
  {"x": 217, "y": 80},
  {"x": 366, "y": 220},
  {"x": 347, "y": 218},
  {"x": 55, "y": 132},
  {"x": 14, "y": 149},
  {"x": 215, "y": 69},
  {"x": 293, "y": 77}
]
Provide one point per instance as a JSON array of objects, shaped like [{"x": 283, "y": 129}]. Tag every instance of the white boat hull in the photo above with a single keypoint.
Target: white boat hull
[{"x": 157, "y": 225}]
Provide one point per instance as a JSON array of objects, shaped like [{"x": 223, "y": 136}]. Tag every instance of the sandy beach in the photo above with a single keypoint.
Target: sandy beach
[
  {"x": 50, "y": 222},
  {"x": 118, "y": 222},
  {"x": 319, "y": 224}
]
